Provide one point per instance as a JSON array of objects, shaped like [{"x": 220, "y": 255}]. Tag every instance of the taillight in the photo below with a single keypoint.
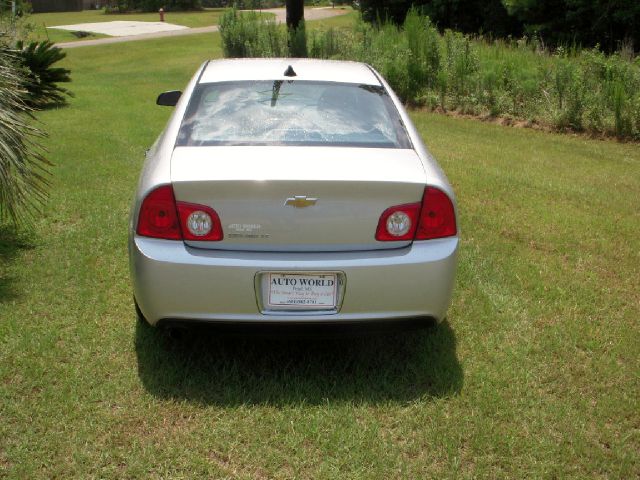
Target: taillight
[
  {"x": 162, "y": 217},
  {"x": 158, "y": 216},
  {"x": 437, "y": 217},
  {"x": 433, "y": 218},
  {"x": 199, "y": 222},
  {"x": 398, "y": 223}
]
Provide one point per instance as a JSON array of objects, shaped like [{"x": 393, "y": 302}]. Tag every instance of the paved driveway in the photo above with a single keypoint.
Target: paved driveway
[{"x": 122, "y": 28}]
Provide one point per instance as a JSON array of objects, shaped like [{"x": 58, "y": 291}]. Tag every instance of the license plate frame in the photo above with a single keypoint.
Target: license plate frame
[
  {"x": 276, "y": 308},
  {"x": 302, "y": 290}
]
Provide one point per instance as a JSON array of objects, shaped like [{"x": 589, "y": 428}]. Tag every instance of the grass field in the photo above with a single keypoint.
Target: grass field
[{"x": 535, "y": 374}]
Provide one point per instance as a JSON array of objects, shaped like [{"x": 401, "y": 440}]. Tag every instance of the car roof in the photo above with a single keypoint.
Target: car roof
[{"x": 242, "y": 69}]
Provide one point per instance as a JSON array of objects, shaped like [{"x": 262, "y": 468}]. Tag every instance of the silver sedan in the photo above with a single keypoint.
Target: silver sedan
[{"x": 288, "y": 190}]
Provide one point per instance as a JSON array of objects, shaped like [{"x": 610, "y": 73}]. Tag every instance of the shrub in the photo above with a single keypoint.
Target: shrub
[{"x": 42, "y": 89}]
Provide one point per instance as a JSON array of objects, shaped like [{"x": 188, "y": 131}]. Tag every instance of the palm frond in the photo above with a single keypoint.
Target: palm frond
[
  {"x": 24, "y": 171},
  {"x": 42, "y": 87}
]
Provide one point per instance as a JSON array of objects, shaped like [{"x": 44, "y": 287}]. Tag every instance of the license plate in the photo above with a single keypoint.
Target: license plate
[{"x": 312, "y": 291}]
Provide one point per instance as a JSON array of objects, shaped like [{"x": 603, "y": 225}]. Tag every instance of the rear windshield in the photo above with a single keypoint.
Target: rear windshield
[{"x": 292, "y": 112}]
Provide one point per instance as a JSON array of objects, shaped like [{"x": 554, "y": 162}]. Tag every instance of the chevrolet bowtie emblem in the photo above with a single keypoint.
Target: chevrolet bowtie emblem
[{"x": 300, "y": 201}]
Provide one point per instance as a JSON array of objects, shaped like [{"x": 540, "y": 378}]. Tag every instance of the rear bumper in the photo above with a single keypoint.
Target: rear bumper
[{"x": 172, "y": 281}]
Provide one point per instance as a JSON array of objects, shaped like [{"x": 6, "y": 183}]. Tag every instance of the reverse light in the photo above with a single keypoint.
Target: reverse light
[
  {"x": 433, "y": 218},
  {"x": 199, "y": 222},
  {"x": 398, "y": 223},
  {"x": 162, "y": 217}
]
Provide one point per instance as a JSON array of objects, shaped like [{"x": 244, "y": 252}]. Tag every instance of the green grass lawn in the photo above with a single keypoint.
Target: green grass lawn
[{"x": 535, "y": 374}]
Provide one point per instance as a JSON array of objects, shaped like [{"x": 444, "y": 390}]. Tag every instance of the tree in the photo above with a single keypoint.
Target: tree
[
  {"x": 583, "y": 22},
  {"x": 469, "y": 16},
  {"x": 295, "y": 26},
  {"x": 559, "y": 22},
  {"x": 295, "y": 13}
]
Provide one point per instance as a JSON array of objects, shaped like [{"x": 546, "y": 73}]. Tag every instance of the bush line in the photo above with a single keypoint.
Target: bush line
[{"x": 567, "y": 89}]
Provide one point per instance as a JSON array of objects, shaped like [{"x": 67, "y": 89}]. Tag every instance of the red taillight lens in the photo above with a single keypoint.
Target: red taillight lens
[
  {"x": 199, "y": 222},
  {"x": 158, "y": 216},
  {"x": 437, "y": 217},
  {"x": 398, "y": 223},
  {"x": 162, "y": 217},
  {"x": 434, "y": 218}
]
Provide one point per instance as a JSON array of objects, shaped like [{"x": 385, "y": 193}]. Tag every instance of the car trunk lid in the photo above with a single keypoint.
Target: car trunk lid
[{"x": 297, "y": 198}]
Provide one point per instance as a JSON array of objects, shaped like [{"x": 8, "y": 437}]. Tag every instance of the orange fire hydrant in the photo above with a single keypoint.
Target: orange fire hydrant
[{"x": 161, "y": 12}]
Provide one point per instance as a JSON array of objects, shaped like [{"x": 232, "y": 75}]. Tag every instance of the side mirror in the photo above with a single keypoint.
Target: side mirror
[{"x": 169, "y": 99}]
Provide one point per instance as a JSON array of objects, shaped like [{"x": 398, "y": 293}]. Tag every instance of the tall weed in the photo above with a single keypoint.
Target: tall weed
[
  {"x": 248, "y": 34},
  {"x": 570, "y": 94},
  {"x": 423, "y": 62}
]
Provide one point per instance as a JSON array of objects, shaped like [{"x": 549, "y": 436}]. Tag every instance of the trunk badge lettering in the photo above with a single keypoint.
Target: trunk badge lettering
[
  {"x": 244, "y": 227},
  {"x": 246, "y": 230},
  {"x": 300, "y": 201}
]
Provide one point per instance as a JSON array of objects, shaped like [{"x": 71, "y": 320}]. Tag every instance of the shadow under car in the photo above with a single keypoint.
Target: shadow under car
[{"x": 253, "y": 365}]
